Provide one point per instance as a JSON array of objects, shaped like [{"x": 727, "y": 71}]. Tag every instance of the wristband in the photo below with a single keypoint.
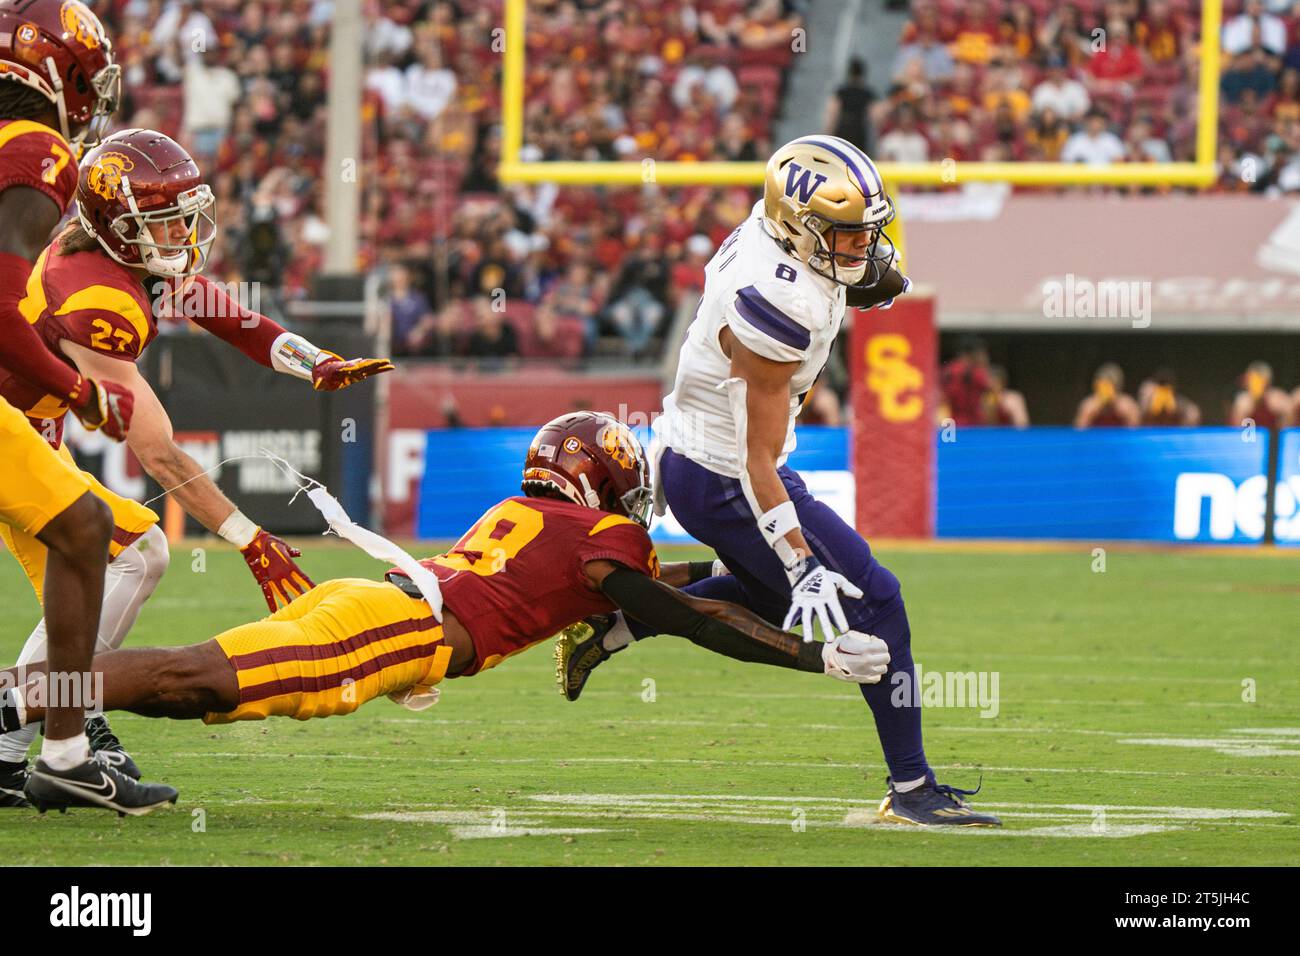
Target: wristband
[
  {"x": 774, "y": 525},
  {"x": 238, "y": 530},
  {"x": 294, "y": 355}
]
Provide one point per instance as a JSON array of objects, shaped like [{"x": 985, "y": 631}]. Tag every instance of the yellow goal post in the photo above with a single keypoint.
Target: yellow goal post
[{"x": 1200, "y": 173}]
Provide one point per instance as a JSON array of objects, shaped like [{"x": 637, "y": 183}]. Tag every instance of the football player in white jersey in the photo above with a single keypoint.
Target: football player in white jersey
[{"x": 774, "y": 299}]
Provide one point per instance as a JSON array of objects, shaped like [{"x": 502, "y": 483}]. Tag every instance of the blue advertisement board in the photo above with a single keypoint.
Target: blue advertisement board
[
  {"x": 1286, "y": 500},
  {"x": 1151, "y": 484},
  {"x": 1147, "y": 484},
  {"x": 468, "y": 470}
]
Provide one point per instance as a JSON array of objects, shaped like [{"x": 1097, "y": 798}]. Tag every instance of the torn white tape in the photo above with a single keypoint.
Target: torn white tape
[{"x": 375, "y": 545}]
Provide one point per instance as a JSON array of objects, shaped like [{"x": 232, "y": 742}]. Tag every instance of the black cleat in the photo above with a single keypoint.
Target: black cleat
[
  {"x": 107, "y": 749},
  {"x": 933, "y": 805},
  {"x": 579, "y": 651},
  {"x": 91, "y": 784},
  {"x": 13, "y": 777}
]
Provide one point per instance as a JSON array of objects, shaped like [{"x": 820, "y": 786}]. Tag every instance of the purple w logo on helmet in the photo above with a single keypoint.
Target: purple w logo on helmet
[{"x": 806, "y": 184}]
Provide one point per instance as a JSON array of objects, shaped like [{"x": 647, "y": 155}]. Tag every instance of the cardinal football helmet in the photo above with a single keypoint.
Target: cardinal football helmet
[
  {"x": 817, "y": 186},
  {"x": 59, "y": 48},
  {"x": 135, "y": 189},
  {"x": 591, "y": 459}
]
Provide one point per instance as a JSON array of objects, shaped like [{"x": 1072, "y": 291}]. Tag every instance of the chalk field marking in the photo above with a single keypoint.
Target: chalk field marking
[
  {"x": 1063, "y": 820},
  {"x": 1243, "y": 742},
  {"x": 1067, "y": 831},
  {"x": 489, "y": 832}
]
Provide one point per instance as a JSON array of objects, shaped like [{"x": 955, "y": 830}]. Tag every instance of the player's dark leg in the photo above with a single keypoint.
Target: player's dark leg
[
  {"x": 178, "y": 682},
  {"x": 78, "y": 541}
]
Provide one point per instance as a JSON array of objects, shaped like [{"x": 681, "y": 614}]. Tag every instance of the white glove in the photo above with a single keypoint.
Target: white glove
[
  {"x": 856, "y": 657},
  {"x": 817, "y": 592}
]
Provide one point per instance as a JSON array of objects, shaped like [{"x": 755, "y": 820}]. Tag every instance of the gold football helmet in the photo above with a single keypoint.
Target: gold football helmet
[{"x": 819, "y": 186}]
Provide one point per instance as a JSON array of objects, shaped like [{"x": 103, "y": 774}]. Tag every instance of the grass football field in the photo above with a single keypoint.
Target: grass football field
[{"x": 1145, "y": 715}]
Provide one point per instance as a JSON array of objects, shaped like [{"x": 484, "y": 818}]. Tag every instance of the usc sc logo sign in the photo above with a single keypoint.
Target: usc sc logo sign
[{"x": 894, "y": 380}]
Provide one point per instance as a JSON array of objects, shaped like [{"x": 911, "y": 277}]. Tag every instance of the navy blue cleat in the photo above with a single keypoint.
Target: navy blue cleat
[{"x": 933, "y": 805}]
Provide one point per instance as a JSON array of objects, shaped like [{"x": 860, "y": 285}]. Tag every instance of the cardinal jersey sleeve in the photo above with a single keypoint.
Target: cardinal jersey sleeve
[
  {"x": 621, "y": 540},
  {"x": 772, "y": 318},
  {"x": 35, "y": 156}
]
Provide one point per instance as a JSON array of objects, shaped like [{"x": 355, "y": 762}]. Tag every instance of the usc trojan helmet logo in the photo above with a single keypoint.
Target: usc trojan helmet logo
[
  {"x": 614, "y": 440},
  {"x": 105, "y": 177},
  {"x": 82, "y": 24}
]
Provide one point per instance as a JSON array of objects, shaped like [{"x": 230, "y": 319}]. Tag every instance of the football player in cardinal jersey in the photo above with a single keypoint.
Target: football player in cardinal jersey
[
  {"x": 775, "y": 295},
  {"x": 144, "y": 228},
  {"x": 58, "y": 88},
  {"x": 575, "y": 544}
]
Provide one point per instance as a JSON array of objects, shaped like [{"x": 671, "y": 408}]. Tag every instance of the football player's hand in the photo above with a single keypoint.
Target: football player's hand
[
  {"x": 856, "y": 657},
  {"x": 333, "y": 372},
  {"x": 107, "y": 407},
  {"x": 817, "y": 595},
  {"x": 271, "y": 561}
]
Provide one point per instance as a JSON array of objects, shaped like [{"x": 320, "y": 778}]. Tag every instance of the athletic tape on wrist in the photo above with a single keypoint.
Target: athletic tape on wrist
[
  {"x": 294, "y": 355},
  {"x": 238, "y": 529},
  {"x": 774, "y": 524}
]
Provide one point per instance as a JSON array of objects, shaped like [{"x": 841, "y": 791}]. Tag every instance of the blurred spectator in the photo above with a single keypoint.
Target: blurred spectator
[
  {"x": 493, "y": 337},
  {"x": 716, "y": 80},
  {"x": 429, "y": 85},
  {"x": 1161, "y": 404},
  {"x": 688, "y": 274},
  {"x": 965, "y": 379},
  {"x": 934, "y": 62},
  {"x": 904, "y": 143},
  {"x": 1047, "y": 136},
  {"x": 1143, "y": 146},
  {"x": 1058, "y": 92},
  {"x": 411, "y": 316},
  {"x": 1254, "y": 71},
  {"x": 1160, "y": 34},
  {"x": 1095, "y": 144},
  {"x": 1002, "y": 405},
  {"x": 848, "y": 114},
  {"x": 575, "y": 296},
  {"x": 211, "y": 92},
  {"x": 637, "y": 301},
  {"x": 550, "y": 338},
  {"x": 1116, "y": 66},
  {"x": 1258, "y": 400},
  {"x": 1108, "y": 404},
  {"x": 1254, "y": 28}
]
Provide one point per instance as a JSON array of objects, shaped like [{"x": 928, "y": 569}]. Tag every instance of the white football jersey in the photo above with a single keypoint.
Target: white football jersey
[{"x": 776, "y": 306}]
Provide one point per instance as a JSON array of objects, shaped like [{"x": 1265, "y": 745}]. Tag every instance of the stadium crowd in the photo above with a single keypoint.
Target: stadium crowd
[
  {"x": 1086, "y": 81},
  {"x": 976, "y": 392}
]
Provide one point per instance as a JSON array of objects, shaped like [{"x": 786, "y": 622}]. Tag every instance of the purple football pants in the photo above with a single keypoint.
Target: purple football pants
[{"x": 713, "y": 510}]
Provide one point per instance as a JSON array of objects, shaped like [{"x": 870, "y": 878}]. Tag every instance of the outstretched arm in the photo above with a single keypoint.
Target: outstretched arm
[
  {"x": 153, "y": 442},
  {"x": 268, "y": 343},
  {"x": 731, "y": 630}
]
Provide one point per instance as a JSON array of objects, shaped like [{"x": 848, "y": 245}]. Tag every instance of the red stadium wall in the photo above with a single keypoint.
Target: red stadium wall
[
  {"x": 895, "y": 393},
  {"x": 419, "y": 396}
]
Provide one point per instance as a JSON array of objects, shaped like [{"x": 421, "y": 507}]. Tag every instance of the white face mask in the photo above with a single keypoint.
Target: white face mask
[{"x": 161, "y": 256}]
